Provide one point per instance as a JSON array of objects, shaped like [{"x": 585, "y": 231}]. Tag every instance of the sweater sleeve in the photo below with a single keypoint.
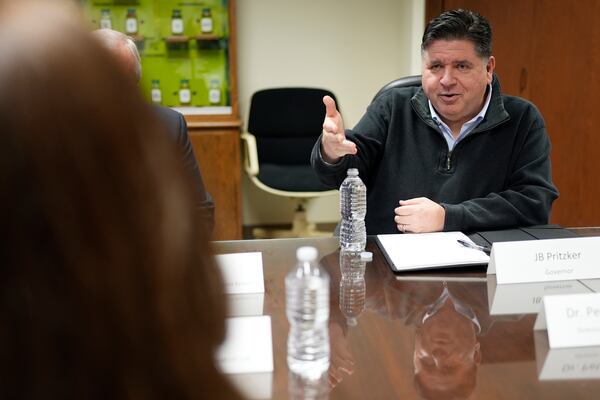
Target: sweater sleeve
[{"x": 528, "y": 194}]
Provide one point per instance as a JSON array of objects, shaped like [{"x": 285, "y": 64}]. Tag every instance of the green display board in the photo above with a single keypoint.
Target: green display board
[{"x": 183, "y": 46}]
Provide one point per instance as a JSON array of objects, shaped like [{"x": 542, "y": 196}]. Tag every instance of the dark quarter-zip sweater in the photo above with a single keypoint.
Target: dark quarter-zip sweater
[{"x": 497, "y": 177}]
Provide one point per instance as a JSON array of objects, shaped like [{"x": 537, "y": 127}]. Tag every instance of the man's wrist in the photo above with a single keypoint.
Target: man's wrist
[{"x": 327, "y": 160}]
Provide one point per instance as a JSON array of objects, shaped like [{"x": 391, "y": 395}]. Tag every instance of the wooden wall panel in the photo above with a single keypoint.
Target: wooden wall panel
[
  {"x": 218, "y": 153},
  {"x": 565, "y": 87},
  {"x": 511, "y": 22}
]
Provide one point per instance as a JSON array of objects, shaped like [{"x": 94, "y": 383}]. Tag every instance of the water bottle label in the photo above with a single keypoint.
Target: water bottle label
[
  {"x": 156, "y": 96},
  {"x": 206, "y": 25},
  {"x": 185, "y": 96},
  {"x": 131, "y": 25},
  {"x": 105, "y": 23},
  {"x": 177, "y": 26}
]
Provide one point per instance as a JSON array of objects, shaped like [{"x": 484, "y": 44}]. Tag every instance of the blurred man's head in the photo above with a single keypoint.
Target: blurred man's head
[{"x": 124, "y": 50}]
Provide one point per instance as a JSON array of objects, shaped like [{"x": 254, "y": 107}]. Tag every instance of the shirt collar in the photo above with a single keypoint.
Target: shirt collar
[{"x": 476, "y": 118}]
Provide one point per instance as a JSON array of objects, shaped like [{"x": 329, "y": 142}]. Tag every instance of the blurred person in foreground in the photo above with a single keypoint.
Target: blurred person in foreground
[
  {"x": 125, "y": 52},
  {"x": 107, "y": 291}
]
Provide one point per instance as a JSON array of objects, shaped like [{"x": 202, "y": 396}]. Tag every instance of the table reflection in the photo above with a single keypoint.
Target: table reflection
[
  {"x": 526, "y": 298},
  {"x": 447, "y": 351},
  {"x": 450, "y": 322},
  {"x": 352, "y": 288},
  {"x": 302, "y": 388},
  {"x": 565, "y": 364}
]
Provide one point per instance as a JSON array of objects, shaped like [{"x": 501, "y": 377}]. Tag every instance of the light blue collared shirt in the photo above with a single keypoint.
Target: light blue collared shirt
[{"x": 467, "y": 126}]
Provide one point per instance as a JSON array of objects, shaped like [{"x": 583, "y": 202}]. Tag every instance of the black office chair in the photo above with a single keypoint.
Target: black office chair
[
  {"x": 283, "y": 126},
  {"x": 407, "y": 81}
]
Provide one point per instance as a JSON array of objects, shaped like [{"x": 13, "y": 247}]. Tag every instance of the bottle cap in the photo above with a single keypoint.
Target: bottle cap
[
  {"x": 366, "y": 256},
  {"x": 306, "y": 253},
  {"x": 352, "y": 172}
]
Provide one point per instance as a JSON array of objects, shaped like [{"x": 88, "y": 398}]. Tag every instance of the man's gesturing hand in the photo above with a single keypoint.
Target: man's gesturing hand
[{"x": 333, "y": 143}]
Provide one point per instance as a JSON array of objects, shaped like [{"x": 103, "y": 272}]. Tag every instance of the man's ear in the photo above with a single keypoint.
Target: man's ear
[{"x": 491, "y": 65}]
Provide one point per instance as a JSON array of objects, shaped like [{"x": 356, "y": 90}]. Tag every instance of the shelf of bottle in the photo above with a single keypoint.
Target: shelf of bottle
[
  {"x": 136, "y": 38},
  {"x": 184, "y": 39},
  {"x": 205, "y": 110},
  {"x": 207, "y": 37},
  {"x": 177, "y": 39}
]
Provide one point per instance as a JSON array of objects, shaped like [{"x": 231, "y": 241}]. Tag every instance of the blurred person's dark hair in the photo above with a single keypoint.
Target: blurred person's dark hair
[{"x": 107, "y": 287}]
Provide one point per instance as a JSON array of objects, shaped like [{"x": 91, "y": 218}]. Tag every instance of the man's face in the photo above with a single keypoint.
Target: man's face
[{"x": 455, "y": 79}]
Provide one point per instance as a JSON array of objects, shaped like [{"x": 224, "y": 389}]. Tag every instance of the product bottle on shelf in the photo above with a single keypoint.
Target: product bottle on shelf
[
  {"x": 353, "y": 208},
  {"x": 176, "y": 23},
  {"x": 185, "y": 94},
  {"x": 155, "y": 92},
  {"x": 131, "y": 22},
  {"x": 214, "y": 93},
  {"x": 206, "y": 22},
  {"x": 307, "y": 310},
  {"x": 105, "y": 20}
]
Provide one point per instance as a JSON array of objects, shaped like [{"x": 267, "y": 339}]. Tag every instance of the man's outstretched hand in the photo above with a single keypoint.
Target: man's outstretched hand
[{"x": 334, "y": 144}]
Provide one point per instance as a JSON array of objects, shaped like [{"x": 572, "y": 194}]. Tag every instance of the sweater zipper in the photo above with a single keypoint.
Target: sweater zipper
[{"x": 448, "y": 165}]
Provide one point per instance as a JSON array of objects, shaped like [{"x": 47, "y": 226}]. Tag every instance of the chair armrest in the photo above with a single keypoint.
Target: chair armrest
[{"x": 250, "y": 154}]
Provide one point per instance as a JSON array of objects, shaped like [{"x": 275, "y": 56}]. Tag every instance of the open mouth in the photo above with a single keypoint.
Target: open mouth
[{"x": 448, "y": 97}]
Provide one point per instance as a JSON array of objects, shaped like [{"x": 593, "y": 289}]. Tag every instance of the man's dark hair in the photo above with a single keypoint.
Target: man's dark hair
[{"x": 460, "y": 25}]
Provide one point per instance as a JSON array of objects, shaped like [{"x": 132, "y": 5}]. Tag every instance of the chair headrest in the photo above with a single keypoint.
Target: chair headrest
[
  {"x": 407, "y": 81},
  {"x": 291, "y": 111}
]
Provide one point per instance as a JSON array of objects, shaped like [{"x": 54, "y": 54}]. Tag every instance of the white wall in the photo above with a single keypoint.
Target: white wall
[{"x": 350, "y": 47}]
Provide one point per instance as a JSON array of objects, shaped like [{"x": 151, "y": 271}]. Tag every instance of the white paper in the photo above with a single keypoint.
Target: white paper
[
  {"x": 242, "y": 272},
  {"x": 563, "y": 364},
  {"x": 526, "y": 298},
  {"x": 429, "y": 250},
  {"x": 248, "y": 346},
  {"x": 545, "y": 260},
  {"x": 571, "y": 320}
]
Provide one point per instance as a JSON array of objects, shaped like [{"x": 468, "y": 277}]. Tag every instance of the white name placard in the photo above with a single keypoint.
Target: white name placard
[
  {"x": 545, "y": 260},
  {"x": 526, "y": 298},
  {"x": 571, "y": 320},
  {"x": 242, "y": 272},
  {"x": 248, "y": 346},
  {"x": 245, "y": 305}
]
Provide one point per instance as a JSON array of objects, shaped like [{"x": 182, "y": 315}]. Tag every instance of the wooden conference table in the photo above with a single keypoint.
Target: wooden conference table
[{"x": 464, "y": 352}]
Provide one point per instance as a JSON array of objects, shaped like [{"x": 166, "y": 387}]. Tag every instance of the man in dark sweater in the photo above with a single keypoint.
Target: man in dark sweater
[
  {"x": 454, "y": 154},
  {"x": 125, "y": 52}
]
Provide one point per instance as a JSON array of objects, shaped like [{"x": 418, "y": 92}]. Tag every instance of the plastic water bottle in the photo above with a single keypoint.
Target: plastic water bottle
[
  {"x": 353, "y": 207},
  {"x": 352, "y": 285},
  {"x": 307, "y": 310}
]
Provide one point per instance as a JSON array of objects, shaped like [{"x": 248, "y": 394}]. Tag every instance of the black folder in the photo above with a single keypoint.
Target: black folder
[{"x": 487, "y": 238}]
